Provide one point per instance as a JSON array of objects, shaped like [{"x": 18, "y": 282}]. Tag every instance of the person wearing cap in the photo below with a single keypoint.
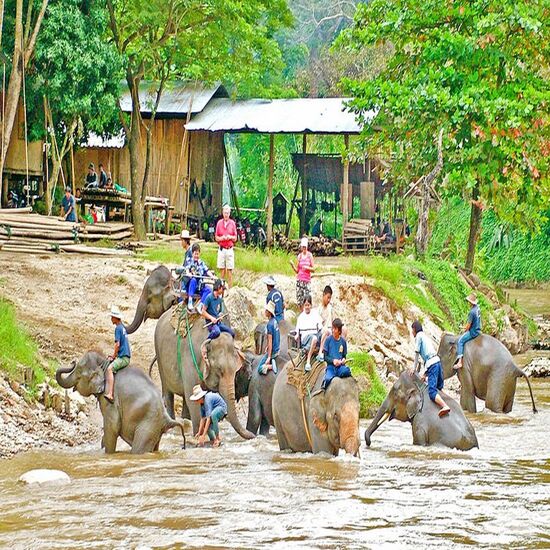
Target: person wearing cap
[
  {"x": 211, "y": 310},
  {"x": 472, "y": 328},
  {"x": 226, "y": 237},
  {"x": 91, "y": 177},
  {"x": 121, "y": 355},
  {"x": 335, "y": 352},
  {"x": 196, "y": 270},
  {"x": 303, "y": 268},
  {"x": 276, "y": 296},
  {"x": 213, "y": 411},
  {"x": 433, "y": 371},
  {"x": 185, "y": 238},
  {"x": 69, "y": 206},
  {"x": 273, "y": 346}
]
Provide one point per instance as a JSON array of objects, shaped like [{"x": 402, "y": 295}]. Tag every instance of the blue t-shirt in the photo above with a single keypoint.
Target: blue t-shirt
[
  {"x": 121, "y": 337},
  {"x": 273, "y": 329},
  {"x": 211, "y": 401},
  {"x": 335, "y": 349},
  {"x": 198, "y": 268},
  {"x": 276, "y": 297},
  {"x": 474, "y": 319},
  {"x": 213, "y": 305},
  {"x": 188, "y": 258},
  {"x": 66, "y": 203}
]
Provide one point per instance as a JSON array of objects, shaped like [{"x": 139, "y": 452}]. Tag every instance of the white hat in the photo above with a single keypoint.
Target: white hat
[
  {"x": 270, "y": 306},
  {"x": 185, "y": 234},
  {"x": 226, "y": 207},
  {"x": 472, "y": 299},
  {"x": 198, "y": 393},
  {"x": 269, "y": 281},
  {"x": 115, "y": 312},
  {"x": 304, "y": 242}
]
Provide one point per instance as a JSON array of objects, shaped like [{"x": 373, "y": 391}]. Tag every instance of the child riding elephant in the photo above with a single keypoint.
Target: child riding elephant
[
  {"x": 121, "y": 354},
  {"x": 473, "y": 329}
]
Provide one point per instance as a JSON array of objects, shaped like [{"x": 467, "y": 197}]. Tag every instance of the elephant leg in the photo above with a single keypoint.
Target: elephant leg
[
  {"x": 185, "y": 414},
  {"x": 109, "y": 441},
  {"x": 264, "y": 426},
  {"x": 420, "y": 437},
  {"x": 254, "y": 414},
  {"x": 143, "y": 441},
  {"x": 283, "y": 442},
  {"x": 168, "y": 397},
  {"x": 495, "y": 399},
  {"x": 467, "y": 392}
]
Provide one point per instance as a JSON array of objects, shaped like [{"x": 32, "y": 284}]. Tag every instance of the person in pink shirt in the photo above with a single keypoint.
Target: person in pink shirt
[
  {"x": 226, "y": 236},
  {"x": 303, "y": 269}
]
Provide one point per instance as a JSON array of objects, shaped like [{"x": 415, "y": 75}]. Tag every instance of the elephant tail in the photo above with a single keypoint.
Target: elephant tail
[
  {"x": 152, "y": 365},
  {"x": 171, "y": 423},
  {"x": 521, "y": 373}
]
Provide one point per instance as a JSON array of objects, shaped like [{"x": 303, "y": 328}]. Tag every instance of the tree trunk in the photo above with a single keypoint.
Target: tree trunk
[
  {"x": 270, "y": 192},
  {"x": 475, "y": 226}
]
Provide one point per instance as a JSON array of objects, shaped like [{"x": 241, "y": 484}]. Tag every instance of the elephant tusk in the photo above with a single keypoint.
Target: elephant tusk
[{"x": 383, "y": 419}]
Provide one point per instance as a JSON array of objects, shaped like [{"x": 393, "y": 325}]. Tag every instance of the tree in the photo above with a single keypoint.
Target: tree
[
  {"x": 207, "y": 40},
  {"x": 477, "y": 70}
]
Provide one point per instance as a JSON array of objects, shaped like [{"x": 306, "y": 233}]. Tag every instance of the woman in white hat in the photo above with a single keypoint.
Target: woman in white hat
[
  {"x": 213, "y": 411},
  {"x": 121, "y": 355},
  {"x": 303, "y": 269},
  {"x": 472, "y": 328}
]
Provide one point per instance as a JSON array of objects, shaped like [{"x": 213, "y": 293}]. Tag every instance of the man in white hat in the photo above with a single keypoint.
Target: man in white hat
[
  {"x": 121, "y": 355},
  {"x": 276, "y": 296},
  {"x": 273, "y": 346},
  {"x": 226, "y": 237},
  {"x": 472, "y": 328},
  {"x": 185, "y": 238},
  {"x": 213, "y": 411},
  {"x": 303, "y": 269}
]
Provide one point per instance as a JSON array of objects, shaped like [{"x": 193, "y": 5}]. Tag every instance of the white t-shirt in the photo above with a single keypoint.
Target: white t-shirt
[
  {"x": 309, "y": 324},
  {"x": 424, "y": 346},
  {"x": 326, "y": 315}
]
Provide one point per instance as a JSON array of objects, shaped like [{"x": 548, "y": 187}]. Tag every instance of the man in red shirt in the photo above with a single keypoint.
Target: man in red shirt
[{"x": 226, "y": 236}]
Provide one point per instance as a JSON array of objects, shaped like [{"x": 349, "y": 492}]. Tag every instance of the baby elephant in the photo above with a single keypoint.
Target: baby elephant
[
  {"x": 408, "y": 400},
  {"x": 137, "y": 415}
]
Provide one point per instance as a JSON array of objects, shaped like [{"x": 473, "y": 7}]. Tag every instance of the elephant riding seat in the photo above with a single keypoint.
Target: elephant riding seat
[
  {"x": 137, "y": 413},
  {"x": 408, "y": 401}
]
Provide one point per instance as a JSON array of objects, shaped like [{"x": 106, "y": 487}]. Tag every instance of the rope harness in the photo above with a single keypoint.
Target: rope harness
[{"x": 188, "y": 327}]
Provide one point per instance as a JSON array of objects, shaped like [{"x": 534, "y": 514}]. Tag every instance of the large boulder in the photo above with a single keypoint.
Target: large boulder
[
  {"x": 44, "y": 476},
  {"x": 241, "y": 306},
  {"x": 539, "y": 367}
]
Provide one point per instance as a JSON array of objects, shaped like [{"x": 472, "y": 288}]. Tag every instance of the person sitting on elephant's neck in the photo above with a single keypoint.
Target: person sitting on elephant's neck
[
  {"x": 472, "y": 328},
  {"x": 309, "y": 326},
  {"x": 196, "y": 270},
  {"x": 211, "y": 310},
  {"x": 273, "y": 345},
  {"x": 121, "y": 355},
  {"x": 335, "y": 352},
  {"x": 276, "y": 296},
  {"x": 424, "y": 348},
  {"x": 213, "y": 411}
]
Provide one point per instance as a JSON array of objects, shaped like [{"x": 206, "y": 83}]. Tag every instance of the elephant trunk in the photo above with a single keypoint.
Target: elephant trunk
[
  {"x": 139, "y": 316},
  {"x": 227, "y": 391},
  {"x": 349, "y": 429},
  {"x": 66, "y": 381},
  {"x": 381, "y": 416}
]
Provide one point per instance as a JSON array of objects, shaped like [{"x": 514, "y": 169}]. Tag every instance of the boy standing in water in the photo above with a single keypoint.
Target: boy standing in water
[
  {"x": 473, "y": 329},
  {"x": 424, "y": 348},
  {"x": 121, "y": 355}
]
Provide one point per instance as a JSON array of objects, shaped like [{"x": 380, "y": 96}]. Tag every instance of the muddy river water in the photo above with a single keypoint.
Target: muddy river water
[{"x": 247, "y": 494}]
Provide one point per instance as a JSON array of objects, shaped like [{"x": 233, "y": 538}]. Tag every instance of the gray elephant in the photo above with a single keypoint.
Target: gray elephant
[
  {"x": 179, "y": 376},
  {"x": 156, "y": 297},
  {"x": 137, "y": 415},
  {"x": 325, "y": 422},
  {"x": 408, "y": 401},
  {"x": 489, "y": 372}
]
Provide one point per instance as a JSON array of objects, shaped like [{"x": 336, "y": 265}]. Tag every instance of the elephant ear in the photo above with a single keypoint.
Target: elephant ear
[
  {"x": 319, "y": 412},
  {"x": 414, "y": 402}
]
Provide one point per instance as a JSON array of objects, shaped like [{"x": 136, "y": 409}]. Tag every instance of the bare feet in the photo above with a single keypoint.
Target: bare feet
[
  {"x": 458, "y": 364},
  {"x": 444, "y": 411},
  {"x": 217, "y": 443}
]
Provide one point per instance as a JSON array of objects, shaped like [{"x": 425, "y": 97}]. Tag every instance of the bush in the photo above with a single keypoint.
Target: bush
[{"x": 371, "y": 388}]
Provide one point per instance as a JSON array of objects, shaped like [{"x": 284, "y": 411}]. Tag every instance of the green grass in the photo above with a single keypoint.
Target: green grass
[{"x": 372, "y": 391}]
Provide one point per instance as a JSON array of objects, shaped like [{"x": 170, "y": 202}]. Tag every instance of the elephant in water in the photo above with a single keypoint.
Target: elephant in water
[
  {"x": 332, "y": 416},
  {"x": 137, "y": 415},
  {"x": 156, "y": 297},
  {"x": 179, "y": 379},
  {"x": 408, "y": 401},
  {"x": 489, "y": 372}
]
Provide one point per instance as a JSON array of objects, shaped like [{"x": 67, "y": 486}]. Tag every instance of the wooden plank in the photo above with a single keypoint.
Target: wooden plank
[{"x": 26, "y": 209}]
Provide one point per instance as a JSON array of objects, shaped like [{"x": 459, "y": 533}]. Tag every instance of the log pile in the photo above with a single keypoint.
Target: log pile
[{"x": 318, "y": 246}]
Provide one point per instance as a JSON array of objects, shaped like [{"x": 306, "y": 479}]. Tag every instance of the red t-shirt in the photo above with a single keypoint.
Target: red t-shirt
[{"x": 224, "y": 228}]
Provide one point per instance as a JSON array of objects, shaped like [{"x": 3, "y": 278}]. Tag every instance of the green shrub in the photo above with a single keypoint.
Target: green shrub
[{"x": 371, "y": 388}]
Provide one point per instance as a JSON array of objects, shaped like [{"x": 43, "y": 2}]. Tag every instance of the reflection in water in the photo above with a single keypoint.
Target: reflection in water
[{"x": 248, "y": 494}]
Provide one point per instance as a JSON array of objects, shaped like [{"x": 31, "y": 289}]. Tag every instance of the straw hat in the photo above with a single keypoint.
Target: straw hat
[
  {"x": 185, "y": 234},
  {"x": 269, "y": 281},
  {"x": 304, "y": 242},
  {"x": 270, "y": 306},
  {"x": 198, "y": 393},
  {"x": 472, "y": 299},
  {"x": 115, "y": 312}
]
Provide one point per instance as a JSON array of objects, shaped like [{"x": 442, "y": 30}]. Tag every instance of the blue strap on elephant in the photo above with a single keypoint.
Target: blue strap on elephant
[{"x": 189, "y": 339}]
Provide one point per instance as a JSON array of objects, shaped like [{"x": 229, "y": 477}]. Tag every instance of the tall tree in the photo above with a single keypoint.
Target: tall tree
[
  {"x": 200, "y": 40},
  {"x": 476, "y": 69}
]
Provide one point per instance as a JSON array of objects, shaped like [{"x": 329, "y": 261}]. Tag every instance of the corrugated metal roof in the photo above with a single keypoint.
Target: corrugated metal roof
[
  {"x": 175, "y": 100},
  {"x": 278, "y": 116},
  {"x": 116, "y": 142}
]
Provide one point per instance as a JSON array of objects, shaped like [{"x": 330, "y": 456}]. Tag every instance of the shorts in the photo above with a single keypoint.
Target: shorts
[
  {"x": 226, "y": 258},
  {"x": 303, "y": 289},
  {"x": 119, "y": 363},
  {"x": 308, "y": 339}
]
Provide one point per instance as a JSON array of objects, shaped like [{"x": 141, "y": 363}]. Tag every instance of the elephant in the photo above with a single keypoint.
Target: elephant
[
  {"x": 179, "y": 379},
  {"x": 332, "y": 416},
  {"x": 408, "y": 401},
  {"x": 285, "y": 327},
  {"x": 156, "y": 297},
  {"x": 489, "y": 372},
  {"x": 137, "y": 415}
]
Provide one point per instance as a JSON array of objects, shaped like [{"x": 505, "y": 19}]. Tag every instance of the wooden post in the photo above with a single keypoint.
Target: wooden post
[
  {"x": 304, "y": 188},
  {"x": 345, "y": 187},
  {"x": 270, "y": 191},
  {"x": 72, "y": 167}
]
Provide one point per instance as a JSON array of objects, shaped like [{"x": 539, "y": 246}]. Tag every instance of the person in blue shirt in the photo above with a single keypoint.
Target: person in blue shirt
[
  {"x": 213, "y": 411},
  {"x": 196, "y": 270},
  {"x": 276, "y": 296},
  {"x": 472, "y": 328},
  {"x": 273, "y": 342},
  {"x": 121, "y": 355},
  {"x": 335, "y": 352},
  {"x": 433, "y": 371},
  {"x": 69, "y": 206},
  {"x": 212, "y": 309},
  {"x": 185, "y": 238}
]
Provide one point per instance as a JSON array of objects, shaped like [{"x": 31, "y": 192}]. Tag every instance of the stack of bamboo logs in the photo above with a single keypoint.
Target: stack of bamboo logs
[
  {"x": 22, "y": 231},
  {"x": 358, "y": 236},
  {"x": 319, "y": 246}
]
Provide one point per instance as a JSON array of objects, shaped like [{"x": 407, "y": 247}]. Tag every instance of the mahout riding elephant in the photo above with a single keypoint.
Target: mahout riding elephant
[
  {"x": 489, "y": 372},
  {"x": 285, "y": 327},
  {"x": 156, "y": 297},
  {"x": 408, "y": 401},
  {"x": 137, "y": 415},
  {"x": 178, "y": 377},
  {"x": 331, "y": 417}
]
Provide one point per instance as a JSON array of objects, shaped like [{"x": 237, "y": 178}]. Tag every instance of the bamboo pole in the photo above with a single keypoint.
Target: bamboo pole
[
  {"x": 270, "y": 190},
  {"x": 345, "y": 190}
]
